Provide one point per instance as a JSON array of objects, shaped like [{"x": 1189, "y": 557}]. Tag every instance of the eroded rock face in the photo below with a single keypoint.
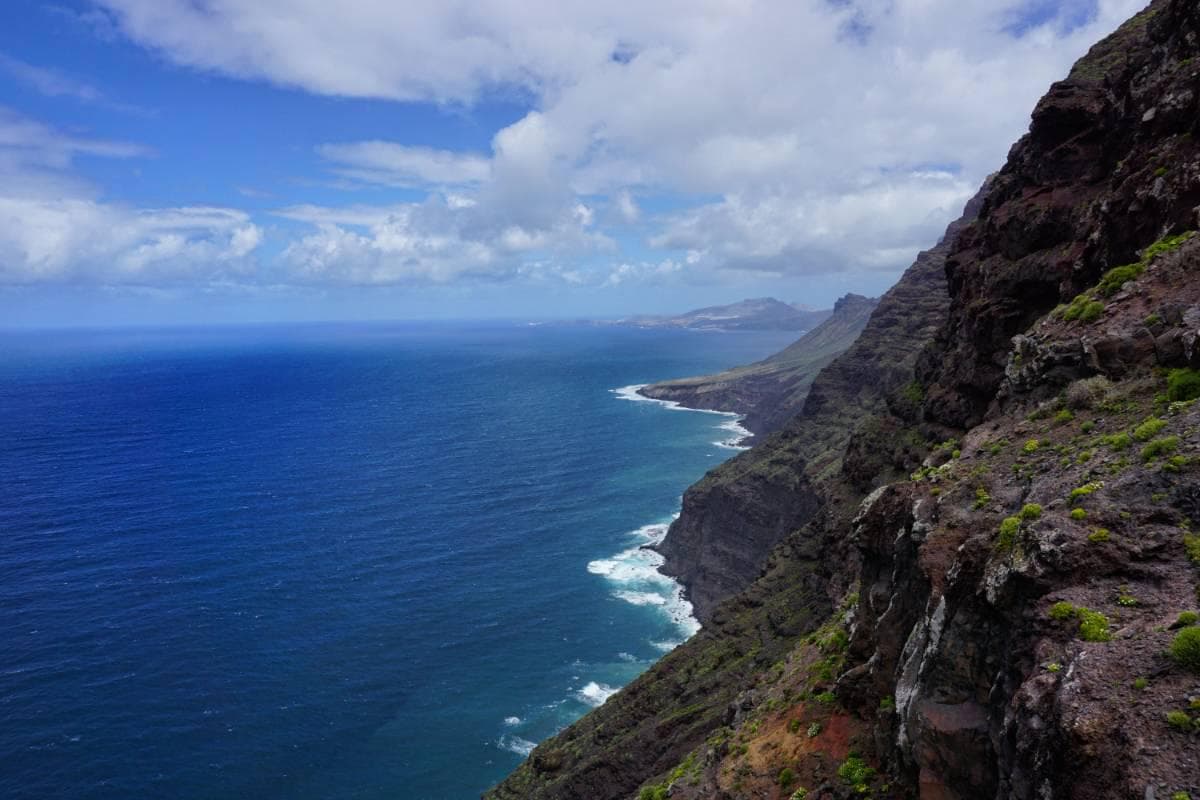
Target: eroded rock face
[
  {"x": 734, "y": 516},
  {"x": 1109, "y": 166}
]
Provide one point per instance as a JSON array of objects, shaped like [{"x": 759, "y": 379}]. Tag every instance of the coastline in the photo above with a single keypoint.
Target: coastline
[
  {"x": 742, "y": 434},
  {"x": 636, "y": 572}
]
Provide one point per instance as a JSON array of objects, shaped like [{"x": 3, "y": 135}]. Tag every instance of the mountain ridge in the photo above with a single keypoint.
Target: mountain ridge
[{"x": 760, "y": 313}]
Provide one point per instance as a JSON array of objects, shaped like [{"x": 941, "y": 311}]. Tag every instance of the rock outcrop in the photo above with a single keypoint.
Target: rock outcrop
[{"x": 986, "y": 507}]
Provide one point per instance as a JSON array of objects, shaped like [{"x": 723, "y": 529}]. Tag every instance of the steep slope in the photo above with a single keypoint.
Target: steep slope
[
  {"x": 771, "y": 391},
  {"x": 734, "y": 515},
  {"x": 1012, "y": 619},
  {"x": 758, "y": 314}
]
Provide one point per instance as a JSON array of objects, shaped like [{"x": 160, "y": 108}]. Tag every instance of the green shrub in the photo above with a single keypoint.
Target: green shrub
[
  {"x": 1078, "y": 514},
  {"x": 1093, "y": 626},
  {"x": 814, "y": 730},
  {"x": 1175, "y": 463},
  {"x": 1009, "y": 527},
  {"x": 786, "y": 777},
  {"x": 1031, "y": 511},
  {"x": 1118, "y": 441},
  {"x": 1063, "y": 417},
  {"x": 1054, "y": 667},
  {"x": 1084, "y": 491},
  {"x": 1192, "y": 545},
  {"x": 1152, "y": 320},
  {"x": 1141, "y": 683},
  {"x": 855, "y": 772},
  {"x": 1125, "y": 599},
  {"x": 1185, "y": 649},
  {"x": 1148, "y": 429},
  {"x": 1091, "y": 312},
  {"x": 1032, "y": 446},
  {"x": 826, "y": 698},
  {"x": 1062, "y": 610},
  {"x": 794, "y": 726},
  {"x": 1183, "y": 384},
  {"x": 1187, "y": 618},
  {"x": 1114, "y": 279},
  {"x": 887, "y": 703},
  {"x": 1160, "y": 447},
  {"x": 1166, "y": 245},
  {"x": 653, "y": 793},
  {"x": 1181, "y": 796},
  {"x": 1079, "y": 307},
  {"x": 982, "y": 498},
  {"x": 802, "y": 794},
  {"x": 1099, "y": 535},
  {"x": 1087, "y": 426},
  {"x": 1179, "y": 720}
]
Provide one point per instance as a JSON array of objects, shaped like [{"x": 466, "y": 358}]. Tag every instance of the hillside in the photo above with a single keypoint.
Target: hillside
[
  {"x": 760, "y": 314},
  {"x": 771, "y": 391},
  {"x": 986, "y": 576}
]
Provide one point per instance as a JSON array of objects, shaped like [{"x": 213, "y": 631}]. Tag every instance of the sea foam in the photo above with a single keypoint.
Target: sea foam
[
  {"x": 733, "y": 424},
  {"x": 635, "y": 574},
  {"x": 515, "y": 744},
  {"x": 594, "y": 694}
]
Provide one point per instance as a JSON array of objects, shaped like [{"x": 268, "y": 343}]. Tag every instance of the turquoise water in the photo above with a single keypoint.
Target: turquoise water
[{"x": 372, "y": 561}]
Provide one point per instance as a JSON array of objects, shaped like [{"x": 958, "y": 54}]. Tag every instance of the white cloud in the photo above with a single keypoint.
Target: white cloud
[
  {"x": 392, "y": 164},
  {"x": 53, "y": 228},
  {"x": 440, "y": 240},
  {"x": 82, "y": 240},
  {"x": 799, "y": 136},
  {"x": 49, "y": 82}
]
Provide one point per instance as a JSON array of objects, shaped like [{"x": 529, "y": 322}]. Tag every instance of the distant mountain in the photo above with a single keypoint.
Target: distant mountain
[
  {"x": 759, "y": 314},
  {"x": 770, "y": 391}
]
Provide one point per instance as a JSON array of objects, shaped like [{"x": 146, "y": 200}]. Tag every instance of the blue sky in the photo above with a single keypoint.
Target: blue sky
[{"x": 234, "y": 160}]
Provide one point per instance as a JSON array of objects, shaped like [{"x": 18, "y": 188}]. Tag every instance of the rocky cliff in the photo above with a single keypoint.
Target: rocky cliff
[
  {"x": 987, "y": 575},
  {"x": 770, "y": 392},
  {"x": 734, "y": 516}
]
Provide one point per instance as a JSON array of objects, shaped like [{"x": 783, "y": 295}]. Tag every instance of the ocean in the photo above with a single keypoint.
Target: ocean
[{"x": 331, "y": 561}]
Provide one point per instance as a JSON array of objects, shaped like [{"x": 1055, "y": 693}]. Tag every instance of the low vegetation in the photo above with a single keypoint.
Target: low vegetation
[{"x": 1185, "y": 649}]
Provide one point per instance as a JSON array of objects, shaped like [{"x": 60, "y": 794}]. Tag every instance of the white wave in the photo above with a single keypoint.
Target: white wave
[
  {"x": 733, "y": 425},
  {"x": 512, "y": 722},
  {"x": 515, "y": 744},
  {"x": 628, "y": 658},
  {"x": 667, "y": 646},
  {"x": 594, "y": 694},
  {"x": 637, "y": 579},
  {"x": 641, "y": 598}
]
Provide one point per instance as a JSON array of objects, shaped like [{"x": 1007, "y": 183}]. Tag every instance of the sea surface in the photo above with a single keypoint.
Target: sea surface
[{"x": 331, "y": 561}]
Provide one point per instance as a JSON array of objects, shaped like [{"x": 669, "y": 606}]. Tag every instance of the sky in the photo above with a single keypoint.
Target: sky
[{"x": 222, "y": 161}]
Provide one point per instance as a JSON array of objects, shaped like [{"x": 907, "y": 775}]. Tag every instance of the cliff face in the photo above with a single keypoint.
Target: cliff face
[
  {"x": 985, "y": 558},
  {"x": 1109, "y": 165},
  {"x": 769, "y": 392},
  {"x": 734, "y": 516}
]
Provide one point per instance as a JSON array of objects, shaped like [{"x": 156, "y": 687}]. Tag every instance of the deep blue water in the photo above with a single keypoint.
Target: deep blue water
[{"x": 328, "y": 561}]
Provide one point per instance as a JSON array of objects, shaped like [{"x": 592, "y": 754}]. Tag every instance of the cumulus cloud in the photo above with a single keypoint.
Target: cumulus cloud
[
  {"x": 53, "y": 228},
  {"x": 797, "y": 136},
  {"x": 437, "y": 241}
]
